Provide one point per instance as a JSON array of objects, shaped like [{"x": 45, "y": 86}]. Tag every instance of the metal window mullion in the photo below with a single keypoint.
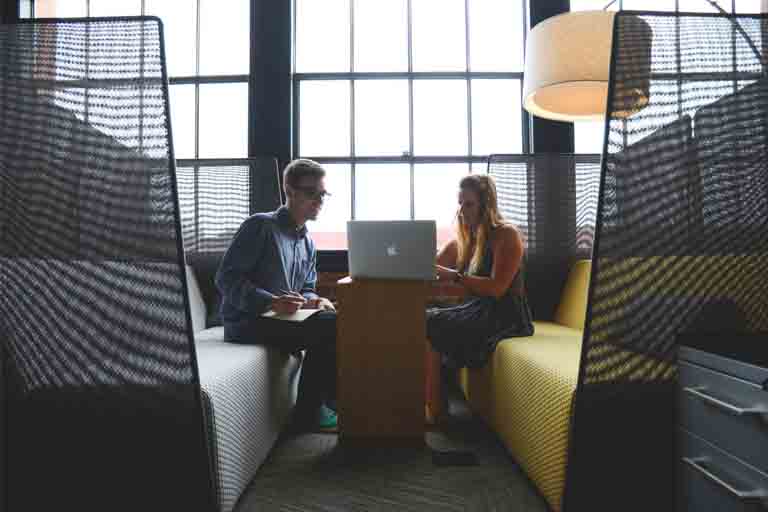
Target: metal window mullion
[
  {"x": 351, "y": 80},
  {"x": 469, "y": 80},
  {"x": 352, "y": 189},
  {"x": 412, "y": 176},
  {"x": 293, "y": 37},
  {"x": 352, "y": 146},
  {"x": 208, "y": 79},
  {"x": 296, "y": 117},
  {"x": 428, "y": 159},
  {"x": 352, "y": 167},
  {"x": 197, "y": 120},
  {"x": 216, "y": 162},
  {"x": 525, "y": 118},
  {"x": 411, "y": 163},
  {"x": 394, "y": 75},
  {"x": 295, "y": 82},
  {"x": 450, "y": 75}
]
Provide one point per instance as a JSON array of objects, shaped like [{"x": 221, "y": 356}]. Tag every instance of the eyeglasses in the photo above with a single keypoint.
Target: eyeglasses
[{"x": 313, "y": 193}]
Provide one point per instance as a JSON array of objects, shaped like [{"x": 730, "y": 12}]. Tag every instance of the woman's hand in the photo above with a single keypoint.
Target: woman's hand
[{"x": 445, "y": 273}]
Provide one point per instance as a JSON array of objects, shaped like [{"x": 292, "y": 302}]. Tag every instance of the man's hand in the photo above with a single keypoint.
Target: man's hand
[
  {"x": 288, "y": 303},
  {"x": 320, "y": 303}
]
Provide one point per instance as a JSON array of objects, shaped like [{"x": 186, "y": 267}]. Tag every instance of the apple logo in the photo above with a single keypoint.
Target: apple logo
[{"x": 392, "y": 250}]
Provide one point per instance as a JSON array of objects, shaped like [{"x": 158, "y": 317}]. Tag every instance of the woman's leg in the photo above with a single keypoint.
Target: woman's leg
[{"x": 448, "y": 332}]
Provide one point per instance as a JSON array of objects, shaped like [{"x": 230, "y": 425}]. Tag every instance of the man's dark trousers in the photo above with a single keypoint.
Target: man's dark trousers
[{"x": 316, "y": 335}]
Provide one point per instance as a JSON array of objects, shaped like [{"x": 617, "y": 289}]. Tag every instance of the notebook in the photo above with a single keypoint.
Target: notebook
[{"x": 299, "y": 316}]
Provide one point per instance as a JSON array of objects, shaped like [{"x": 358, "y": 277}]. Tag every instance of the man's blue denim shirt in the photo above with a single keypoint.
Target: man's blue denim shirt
[{"x": 268, "y": 255}]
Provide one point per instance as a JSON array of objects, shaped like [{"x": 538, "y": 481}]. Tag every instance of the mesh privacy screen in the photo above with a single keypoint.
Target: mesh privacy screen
[
  {"x": 216, "y": 196},
  {"x": 552, "y": 199},
  {"x": 103, "y": 399},
  {"x": 681, "y": 248},
  {"x": 683, "y": 225}
]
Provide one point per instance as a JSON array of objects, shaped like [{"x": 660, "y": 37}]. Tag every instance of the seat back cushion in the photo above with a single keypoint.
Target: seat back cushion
[
  {"x": 572, "y": 308},
  {"x": 196, "y": 304},
  {"x": 206, "y": 264}
]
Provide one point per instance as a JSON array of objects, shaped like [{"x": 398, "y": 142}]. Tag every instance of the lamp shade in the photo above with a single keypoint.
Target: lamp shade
[{"x": 567, "y": 66}]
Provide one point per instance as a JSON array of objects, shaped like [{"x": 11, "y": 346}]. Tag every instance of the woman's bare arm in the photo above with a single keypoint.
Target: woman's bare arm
[
  {"x": 448, "y": 254},
  {"x": 507, "y": 257}
]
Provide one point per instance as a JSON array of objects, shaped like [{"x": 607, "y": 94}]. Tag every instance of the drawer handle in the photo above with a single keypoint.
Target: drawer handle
[
  {"x": 725, "y": 406},
  {"x": 757, "y": 495}
]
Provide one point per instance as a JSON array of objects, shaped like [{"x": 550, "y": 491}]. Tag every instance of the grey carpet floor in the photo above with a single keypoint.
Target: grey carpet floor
[{"x": 313, "y": 472}]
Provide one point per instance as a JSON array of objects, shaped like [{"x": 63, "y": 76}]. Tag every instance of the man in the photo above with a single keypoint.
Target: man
[{"x": 271, "y": 265}]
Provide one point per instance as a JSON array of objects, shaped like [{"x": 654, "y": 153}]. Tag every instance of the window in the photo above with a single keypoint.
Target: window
[
  {"x": 588, "y": 135},
  {"x": 697, "y": 143},
  {"x": 207, "y": 46},
  {"x": 400, "y": 99}
]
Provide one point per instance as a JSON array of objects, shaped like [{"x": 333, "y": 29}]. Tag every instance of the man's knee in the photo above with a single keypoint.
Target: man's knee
[{"x": 323, "y": 326}]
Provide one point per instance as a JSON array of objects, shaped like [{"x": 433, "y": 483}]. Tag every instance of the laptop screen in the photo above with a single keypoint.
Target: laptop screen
[{"x": 396, "y": 249}]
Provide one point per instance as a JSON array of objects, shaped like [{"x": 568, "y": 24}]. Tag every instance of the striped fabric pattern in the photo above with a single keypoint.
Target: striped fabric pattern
[
  {"x": 532, "y": 383},
  {"x": 249, "y": 391},
  {"x": 100, "y": 359}
]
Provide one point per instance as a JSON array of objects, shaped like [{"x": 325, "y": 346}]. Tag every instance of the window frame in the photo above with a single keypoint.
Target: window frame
[
  {"x": 197, "y": 79},
  {"x": 336, "y": 260},
  {"x": 680, "y": 77},
  {"x": 410, "y": 76}
]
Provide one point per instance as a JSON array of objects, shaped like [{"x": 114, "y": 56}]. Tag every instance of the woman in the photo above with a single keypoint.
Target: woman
[{"x": 486, "y": 258}]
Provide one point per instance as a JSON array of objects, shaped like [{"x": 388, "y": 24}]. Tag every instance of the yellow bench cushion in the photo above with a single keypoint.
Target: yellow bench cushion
[{"x": 525, "y": 394}]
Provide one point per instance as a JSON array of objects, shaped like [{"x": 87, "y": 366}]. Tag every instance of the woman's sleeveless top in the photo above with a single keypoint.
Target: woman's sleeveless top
[{"x": 467, "y": 334}]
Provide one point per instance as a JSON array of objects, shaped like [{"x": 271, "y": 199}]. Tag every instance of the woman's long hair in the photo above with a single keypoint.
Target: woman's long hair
[{"x": 490, "y": 218}]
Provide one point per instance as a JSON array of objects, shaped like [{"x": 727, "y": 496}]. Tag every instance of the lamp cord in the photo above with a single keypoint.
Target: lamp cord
[{"x": 738, "y": 27}]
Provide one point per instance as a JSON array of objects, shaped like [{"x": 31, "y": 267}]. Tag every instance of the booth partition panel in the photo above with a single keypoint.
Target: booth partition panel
[
  {"x": 103, "y": 398},
  {"x": 681, "y": 247},
  {"x": 216, "y": 196},
  {"x": 552, "y": 199}
]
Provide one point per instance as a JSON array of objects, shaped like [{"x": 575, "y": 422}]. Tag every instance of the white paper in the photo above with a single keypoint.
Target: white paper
[{"x": 299, "y": 316}]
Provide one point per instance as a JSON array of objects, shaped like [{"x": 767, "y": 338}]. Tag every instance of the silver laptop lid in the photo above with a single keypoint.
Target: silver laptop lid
[{"x": 392, "y": 249}]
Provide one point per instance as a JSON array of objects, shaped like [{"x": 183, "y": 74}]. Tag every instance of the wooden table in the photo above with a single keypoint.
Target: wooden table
[{"x": 381, "y": 360}]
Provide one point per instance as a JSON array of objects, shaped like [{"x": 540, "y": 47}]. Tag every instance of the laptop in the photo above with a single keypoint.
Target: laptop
[{"x": 392, "y": 249}]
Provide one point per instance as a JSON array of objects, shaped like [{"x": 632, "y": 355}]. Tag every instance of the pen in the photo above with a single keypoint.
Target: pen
[{"x": 295, "y": 294}]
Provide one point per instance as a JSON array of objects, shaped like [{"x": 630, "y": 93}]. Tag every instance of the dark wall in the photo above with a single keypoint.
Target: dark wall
[
  {"x": 9, "y": 11},
  {"x": 550, "y": 136},
  {"x": 270, "y": 85}
]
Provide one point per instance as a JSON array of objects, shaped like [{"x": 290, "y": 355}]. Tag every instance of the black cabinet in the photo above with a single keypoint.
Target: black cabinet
[{"x": 722, "y": 433}]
